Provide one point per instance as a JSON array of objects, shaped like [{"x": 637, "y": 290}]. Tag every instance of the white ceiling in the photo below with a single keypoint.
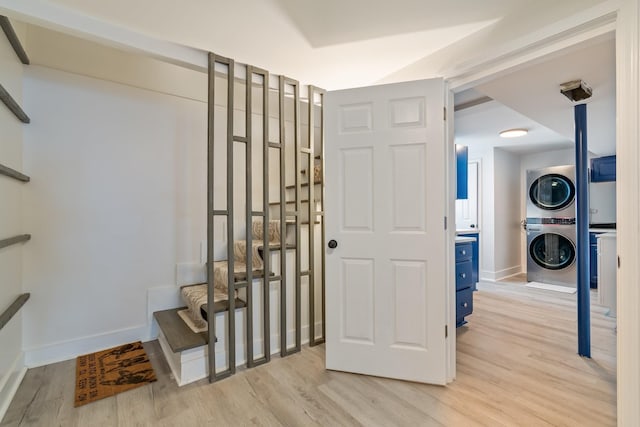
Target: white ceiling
[
  {"x": 479, "y": 127},
  {"x": 333, "y": 44},
  {"x": 349, "y": 43},
  {"x": 333, "y": 22},
  {"x": 530, "y": 98}
]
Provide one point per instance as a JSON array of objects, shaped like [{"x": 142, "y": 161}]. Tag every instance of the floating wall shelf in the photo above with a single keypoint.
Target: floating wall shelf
[
  {"x": 13, "y": 309},
  {"x": 12, "y": 173},
  {"x": 13, "y": 105},
  {"x": 13, "y": 240},
  {"x": 13, "y": 39}
]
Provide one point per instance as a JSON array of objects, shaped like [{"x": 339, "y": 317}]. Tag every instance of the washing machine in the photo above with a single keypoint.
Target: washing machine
[
  {"x": 551, "y": 251},
  {"x": 551, "y": 192}
]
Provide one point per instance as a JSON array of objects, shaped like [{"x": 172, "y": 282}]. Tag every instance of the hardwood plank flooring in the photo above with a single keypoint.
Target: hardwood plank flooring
[{"x": 516, "y": 365}]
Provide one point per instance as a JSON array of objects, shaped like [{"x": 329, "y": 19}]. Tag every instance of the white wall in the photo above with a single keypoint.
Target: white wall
[
  {"x": 11, "y": 224},
  {"x": 118, "y": 194},
  {"x": 500, "y": 196},
  {"x": 486, "y": 201},
  {"x": 107, "y": 197},
  {"x": 507, "y": 229}
]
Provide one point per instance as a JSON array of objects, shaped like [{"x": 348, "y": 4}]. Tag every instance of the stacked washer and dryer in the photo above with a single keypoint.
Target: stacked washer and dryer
[{"x": 551, "y": 225}]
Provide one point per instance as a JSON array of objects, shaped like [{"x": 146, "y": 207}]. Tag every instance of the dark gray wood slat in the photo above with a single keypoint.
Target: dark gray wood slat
[
  {"x": 12, "y": 173},
  {"x": 13, "y": 39},
  {"x": 221, "y": 306},
  {"x": 13, "y": 105},
  {"x": 304, "y": 184},
  {"x": 11, "y": 311},
  {"x": 13, "y": 240}
]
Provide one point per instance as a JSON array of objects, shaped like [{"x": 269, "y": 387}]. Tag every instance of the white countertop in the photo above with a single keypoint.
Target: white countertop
[
  {"x": 465, "y": 239},
  {"x": 467, "y": 231},
  {"x": 607, "y": 235},
  {"x": 602, "y": 230}
]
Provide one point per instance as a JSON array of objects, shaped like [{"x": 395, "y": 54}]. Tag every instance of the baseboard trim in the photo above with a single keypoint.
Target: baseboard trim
[
  {"x": 10, "y": 383},
  {"x": 517, "y": 273},
  {"x": 65, "y": 350},
  {"x": 192, "y": 365},
  {"x": 494, "y": 276}
]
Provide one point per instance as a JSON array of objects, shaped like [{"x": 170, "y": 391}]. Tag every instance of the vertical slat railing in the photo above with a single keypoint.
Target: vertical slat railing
[
  {"x": 295, "y": 215},
  {"x": 285, "y": 217},
  {"x": 264, "y": 215},
  {"x": 266, "y": 326},
  {"x": 228, "y": 213},
  {"x": 249, "y": 214},
  {"x": 283, "y": 223},
  {"x": 231, "y": 285}
]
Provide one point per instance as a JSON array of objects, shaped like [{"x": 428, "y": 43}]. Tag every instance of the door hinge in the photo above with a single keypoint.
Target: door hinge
[
  {"x": 446, "y": 331},
  {"x": 445, "y": 113},
  {"x": 445, "y": 222}
]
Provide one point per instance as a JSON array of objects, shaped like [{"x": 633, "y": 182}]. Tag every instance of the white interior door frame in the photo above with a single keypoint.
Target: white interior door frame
[{"x": 623, "y": 17}]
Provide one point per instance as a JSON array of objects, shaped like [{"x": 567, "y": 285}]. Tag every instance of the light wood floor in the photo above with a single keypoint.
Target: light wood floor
[{"x": 517, "y": 365}]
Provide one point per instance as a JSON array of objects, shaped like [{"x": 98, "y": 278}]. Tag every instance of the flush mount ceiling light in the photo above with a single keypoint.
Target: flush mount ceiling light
[{"x": 513, "y": 133}]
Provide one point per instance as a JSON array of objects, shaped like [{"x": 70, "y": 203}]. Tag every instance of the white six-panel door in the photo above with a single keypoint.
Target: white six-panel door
[{"x": 386, "y": 281}]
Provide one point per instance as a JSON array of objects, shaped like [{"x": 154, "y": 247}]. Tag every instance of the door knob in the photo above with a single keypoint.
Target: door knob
[{"x": 332, "y": 244}]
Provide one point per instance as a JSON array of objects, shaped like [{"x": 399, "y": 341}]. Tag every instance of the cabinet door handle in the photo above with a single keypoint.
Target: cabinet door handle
[
  {"x": 463, "y": 252},
  {"x": 463, "y": 275},
  {"x": 465, "y": 305}
]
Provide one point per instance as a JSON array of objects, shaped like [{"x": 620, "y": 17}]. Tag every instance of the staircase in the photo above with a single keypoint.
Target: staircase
[{"x": 185, "y": 347}]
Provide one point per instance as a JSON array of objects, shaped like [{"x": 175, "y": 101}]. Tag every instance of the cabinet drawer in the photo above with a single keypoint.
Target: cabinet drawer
[
  {"x": 464, "y": 274},
  {"x": 464, "y": 251},
  {"x": 464, "y": 303}
]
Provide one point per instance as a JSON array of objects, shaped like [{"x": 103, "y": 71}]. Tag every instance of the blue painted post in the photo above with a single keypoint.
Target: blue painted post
[{"x": 582, "y": 225}]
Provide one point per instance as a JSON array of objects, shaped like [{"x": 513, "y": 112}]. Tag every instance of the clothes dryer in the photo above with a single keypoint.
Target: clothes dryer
[{"x": 551, "y": 251}]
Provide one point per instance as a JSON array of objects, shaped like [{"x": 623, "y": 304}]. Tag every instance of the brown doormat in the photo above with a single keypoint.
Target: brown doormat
[{"x": 108, "y": 372}]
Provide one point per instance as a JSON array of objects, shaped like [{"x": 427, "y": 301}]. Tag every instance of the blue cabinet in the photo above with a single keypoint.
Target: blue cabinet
[
  {"x": 475, "y": 247},
  {"x": 462, "y": 171},
  {"x": 603, "y": 169},
  {"x": 593, "y": 260},
  {"x": 464, "y": 281}
]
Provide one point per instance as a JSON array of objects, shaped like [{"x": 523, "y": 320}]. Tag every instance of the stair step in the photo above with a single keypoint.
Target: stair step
[{"x": 179, "y": 336}]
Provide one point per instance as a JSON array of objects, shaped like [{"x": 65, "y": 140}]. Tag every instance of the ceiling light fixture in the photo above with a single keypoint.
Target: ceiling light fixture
[{"x": 513, "y": 133}]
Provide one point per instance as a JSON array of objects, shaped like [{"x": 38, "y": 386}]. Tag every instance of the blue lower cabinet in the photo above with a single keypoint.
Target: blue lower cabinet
[
  {"x": 475, "y": 249},
  {"x": 464, "y": 305},
  {"x": 464, "y": 275},
  {"x": 465, "y": 283}
]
